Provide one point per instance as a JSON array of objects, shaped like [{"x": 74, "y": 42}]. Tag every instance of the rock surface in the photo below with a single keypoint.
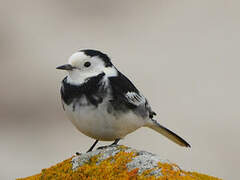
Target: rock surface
[{"x": 117, "y": 162}]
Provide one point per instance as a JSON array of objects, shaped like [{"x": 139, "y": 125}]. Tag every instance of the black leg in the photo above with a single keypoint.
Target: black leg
[
  {"x": 94, "y": 144},
  {"x": 115, "y": 142}
]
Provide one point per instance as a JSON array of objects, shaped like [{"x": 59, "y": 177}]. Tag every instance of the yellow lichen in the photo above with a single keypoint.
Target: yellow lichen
[{"x": 114, "y": 167}]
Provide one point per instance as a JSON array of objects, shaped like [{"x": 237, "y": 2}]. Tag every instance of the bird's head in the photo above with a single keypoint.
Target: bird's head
[{"x": 87, "y": 63}]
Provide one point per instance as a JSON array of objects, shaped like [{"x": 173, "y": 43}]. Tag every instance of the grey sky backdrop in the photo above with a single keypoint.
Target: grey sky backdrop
[{"x": 182, "y": 55}]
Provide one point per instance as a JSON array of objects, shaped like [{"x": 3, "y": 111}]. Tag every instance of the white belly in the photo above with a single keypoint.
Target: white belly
[{"x": 98, "y": 123}]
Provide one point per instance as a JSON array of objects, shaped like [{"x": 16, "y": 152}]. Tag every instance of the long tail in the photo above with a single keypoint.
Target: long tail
[{"x": 153, "y": 124}]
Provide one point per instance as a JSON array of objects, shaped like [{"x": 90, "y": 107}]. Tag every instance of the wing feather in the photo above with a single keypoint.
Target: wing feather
[
  {"x": 126, "y": 94},
  {"x": 135, "y": 98}
]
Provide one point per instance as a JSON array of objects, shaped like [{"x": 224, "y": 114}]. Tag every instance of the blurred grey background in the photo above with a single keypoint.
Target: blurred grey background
[{"x": 183, "y": 56}]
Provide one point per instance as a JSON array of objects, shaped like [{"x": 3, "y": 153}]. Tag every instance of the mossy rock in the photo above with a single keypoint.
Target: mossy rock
[{"x": 117, "y": 162}]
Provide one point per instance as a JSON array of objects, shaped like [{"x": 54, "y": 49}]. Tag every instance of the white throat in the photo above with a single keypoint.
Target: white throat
[{"x": 77, "y": 77}]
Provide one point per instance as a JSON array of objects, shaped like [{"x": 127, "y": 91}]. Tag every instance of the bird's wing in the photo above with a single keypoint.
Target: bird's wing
[
  {"x": 135, "y": 98},
  {"x": 124, "y": 92}
]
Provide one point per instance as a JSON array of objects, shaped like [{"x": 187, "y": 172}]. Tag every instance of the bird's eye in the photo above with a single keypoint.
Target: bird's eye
[{"x": 87, "y": 64}]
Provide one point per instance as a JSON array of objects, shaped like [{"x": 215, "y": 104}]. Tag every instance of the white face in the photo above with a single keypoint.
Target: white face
[{"x": 86, "y": 66}]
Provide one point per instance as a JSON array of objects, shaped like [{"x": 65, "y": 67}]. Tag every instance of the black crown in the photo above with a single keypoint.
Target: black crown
[{"x": 104, "y": 57}]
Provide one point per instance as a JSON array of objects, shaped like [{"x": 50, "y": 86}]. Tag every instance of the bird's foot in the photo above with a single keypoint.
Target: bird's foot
[
  {"x": 103, "y": 147},
  {"x": 78, "y": 153},
  {"x": 111, "y": 145}
]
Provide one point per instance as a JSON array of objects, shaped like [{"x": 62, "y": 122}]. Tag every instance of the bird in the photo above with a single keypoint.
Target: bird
[{"x": 103, "y": 103}]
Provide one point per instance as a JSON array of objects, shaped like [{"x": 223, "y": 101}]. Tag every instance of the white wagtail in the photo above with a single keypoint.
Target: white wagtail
[{"x": 103, "y": 103}]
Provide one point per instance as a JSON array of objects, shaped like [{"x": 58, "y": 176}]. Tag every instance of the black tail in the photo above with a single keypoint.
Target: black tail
[{"x": 167, "y": 133}]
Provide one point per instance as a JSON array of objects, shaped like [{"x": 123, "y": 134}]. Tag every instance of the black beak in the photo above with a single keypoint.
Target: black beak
[{"x": 67, "y": 67}]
